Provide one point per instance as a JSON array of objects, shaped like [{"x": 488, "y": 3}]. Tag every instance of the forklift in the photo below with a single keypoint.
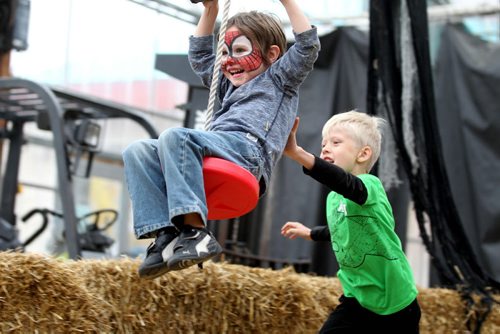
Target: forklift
[{"x": 72, "y": 118}]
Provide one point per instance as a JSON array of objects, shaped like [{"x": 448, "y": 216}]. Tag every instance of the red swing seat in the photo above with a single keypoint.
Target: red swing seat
[{"x": 231, "y": 190}]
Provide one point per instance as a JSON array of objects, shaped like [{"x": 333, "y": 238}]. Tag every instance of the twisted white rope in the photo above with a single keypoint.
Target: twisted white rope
[{"x": 217, "y": 65}]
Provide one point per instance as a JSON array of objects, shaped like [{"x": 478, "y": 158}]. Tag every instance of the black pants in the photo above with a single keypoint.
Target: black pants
[{"x": 350, "y": 317}]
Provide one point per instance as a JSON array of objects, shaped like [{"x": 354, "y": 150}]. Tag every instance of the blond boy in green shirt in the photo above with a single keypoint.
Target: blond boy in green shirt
[{"x": 379, "y": 291}]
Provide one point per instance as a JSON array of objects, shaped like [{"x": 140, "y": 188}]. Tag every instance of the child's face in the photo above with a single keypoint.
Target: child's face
[
  {"x": 241, "y": 59},
  {"x": 339, "y": 148}
]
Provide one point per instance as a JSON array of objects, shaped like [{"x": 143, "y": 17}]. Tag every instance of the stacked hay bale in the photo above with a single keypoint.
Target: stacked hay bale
[
  {"x": 222, "y": 298},
  {"x": 52, "y": 296},
  {"x": 42, "y": 295}
]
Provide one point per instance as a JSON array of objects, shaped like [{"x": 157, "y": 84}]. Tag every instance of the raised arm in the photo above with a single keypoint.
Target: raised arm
[
  {"x": 295, "y": 152},
  {"x": 206, "y": 24},
  {"x": 324, "y": 172},
  {"x": 298, "y": 19}
]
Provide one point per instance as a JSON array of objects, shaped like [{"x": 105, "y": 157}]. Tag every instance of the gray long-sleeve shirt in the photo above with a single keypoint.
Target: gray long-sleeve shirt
[{"x": 265, "y": 107}]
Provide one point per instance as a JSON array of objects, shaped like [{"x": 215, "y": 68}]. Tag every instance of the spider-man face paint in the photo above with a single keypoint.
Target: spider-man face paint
[{"x": 239, "y": 51}]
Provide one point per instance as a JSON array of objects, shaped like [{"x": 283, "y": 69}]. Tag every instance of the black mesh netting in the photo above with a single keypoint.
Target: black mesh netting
[{"x": 400, "y": 88}]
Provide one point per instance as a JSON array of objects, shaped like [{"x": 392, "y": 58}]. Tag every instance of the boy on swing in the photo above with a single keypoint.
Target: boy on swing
[{"x": 258, "y": 94}]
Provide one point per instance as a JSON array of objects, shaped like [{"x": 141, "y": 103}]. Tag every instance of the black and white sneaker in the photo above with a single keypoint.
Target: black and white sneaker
[
  {"x": 158, "y": 253},
  {"x": 195, "y": 245}
]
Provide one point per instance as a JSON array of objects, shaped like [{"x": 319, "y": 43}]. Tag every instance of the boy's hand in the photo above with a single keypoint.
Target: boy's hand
[
  {"x": 291, "y": 145},
  {"x": 292, "y": 230},
  {"x": 294, "y": 151}
]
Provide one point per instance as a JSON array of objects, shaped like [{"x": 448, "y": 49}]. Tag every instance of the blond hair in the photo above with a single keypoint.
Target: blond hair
[{"x": 365, "y": 129}]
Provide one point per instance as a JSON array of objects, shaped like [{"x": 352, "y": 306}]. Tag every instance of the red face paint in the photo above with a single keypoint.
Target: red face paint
[{"x": 239, "y": 50}]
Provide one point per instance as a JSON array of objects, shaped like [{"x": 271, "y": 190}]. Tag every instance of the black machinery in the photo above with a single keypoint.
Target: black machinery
[{"x": 72, "y": 120}]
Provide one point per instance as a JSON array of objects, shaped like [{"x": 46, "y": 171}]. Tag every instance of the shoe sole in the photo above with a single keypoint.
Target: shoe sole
[
  {"x": 185, "y": 263},
  {"x": 162, "y": 268},
  {"x": 154, "y": 271}
]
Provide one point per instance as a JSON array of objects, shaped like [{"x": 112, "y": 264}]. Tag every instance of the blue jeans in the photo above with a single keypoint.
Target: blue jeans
[{"x": 165, "y": 178}]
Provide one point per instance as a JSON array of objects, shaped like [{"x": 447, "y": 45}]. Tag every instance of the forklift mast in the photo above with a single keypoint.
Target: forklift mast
[{"x": 71, "y": 119}]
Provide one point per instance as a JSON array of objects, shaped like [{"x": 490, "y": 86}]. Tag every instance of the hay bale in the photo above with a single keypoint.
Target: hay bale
[
  {"x": 222, "y": 298},
  {"x": 444, "y": 311},
  {"x": 492, "y": 324},
  {"x": 47, "y": 295},
  {"x": 39, "y": 294}
]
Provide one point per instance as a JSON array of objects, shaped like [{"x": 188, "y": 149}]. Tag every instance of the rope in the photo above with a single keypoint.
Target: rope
[{"x": 217, "y": 65}]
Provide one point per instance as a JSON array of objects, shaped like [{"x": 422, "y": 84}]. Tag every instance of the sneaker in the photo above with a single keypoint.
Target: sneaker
[
  {"x": 158, "y": 253},
  {"x": 195, "y": 245}
]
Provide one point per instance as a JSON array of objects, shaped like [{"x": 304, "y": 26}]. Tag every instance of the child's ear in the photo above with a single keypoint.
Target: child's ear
[
  {"x": 273, "y": 53},
  {"x": 364, "y": 154}
]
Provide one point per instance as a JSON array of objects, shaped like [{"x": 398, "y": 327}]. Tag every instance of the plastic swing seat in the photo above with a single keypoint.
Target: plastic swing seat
[{"x": 231, "y": 190}]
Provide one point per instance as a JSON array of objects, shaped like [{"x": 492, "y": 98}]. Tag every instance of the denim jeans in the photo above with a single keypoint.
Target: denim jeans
[{"x": 165, "y": 178}]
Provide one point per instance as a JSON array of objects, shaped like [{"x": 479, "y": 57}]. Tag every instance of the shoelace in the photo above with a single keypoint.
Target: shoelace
[
  {"x": 152, "y": 245},
  {"x": 149, "y": 250}
]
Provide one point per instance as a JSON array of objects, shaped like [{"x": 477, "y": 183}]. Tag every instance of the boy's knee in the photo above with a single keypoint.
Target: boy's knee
[
  {"x": 134, "y": 150},
  {"x": 172, "y": 137}
]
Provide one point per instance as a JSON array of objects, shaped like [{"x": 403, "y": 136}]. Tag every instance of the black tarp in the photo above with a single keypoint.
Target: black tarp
[
  {"x": 337, "y": 84},
  {"x": 467, "y": 85}
]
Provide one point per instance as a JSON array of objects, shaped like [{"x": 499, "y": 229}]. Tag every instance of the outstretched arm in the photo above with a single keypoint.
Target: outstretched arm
[
  {"x": 298, "y": 19},
  {"x": 295, "y": 152},
  {"x": 293, "y": 230},
  {"x": 324, "y": 172},
  {"x": 206, "y": 24}
]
